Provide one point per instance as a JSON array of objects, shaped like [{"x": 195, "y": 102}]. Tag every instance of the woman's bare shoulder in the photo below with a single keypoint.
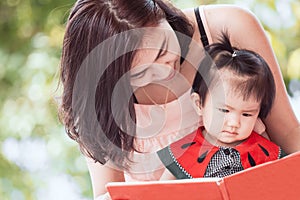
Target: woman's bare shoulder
[
  {"x": 107, "y": 174},
  {"x": 221, "y": 17},
  {"x": 226, "y": 11}
]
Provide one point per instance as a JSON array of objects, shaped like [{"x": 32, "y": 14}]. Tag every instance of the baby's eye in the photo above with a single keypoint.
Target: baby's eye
[
  {"x": 223, "y": 110},
  {"x": 247, "y": 114}
]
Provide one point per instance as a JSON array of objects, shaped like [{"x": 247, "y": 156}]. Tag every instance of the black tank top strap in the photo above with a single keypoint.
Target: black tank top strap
[{"x": 203, "y": 35}]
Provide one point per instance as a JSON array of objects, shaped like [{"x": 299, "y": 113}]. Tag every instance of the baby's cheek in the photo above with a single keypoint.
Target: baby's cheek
[{"x": 214, "y": 123}]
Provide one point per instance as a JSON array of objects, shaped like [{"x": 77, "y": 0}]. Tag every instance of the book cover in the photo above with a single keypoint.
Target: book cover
[{"x": 276, "y": 180}]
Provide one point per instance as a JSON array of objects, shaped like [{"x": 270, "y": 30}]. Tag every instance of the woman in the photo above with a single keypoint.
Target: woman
[{"x": 125, "y": 93}]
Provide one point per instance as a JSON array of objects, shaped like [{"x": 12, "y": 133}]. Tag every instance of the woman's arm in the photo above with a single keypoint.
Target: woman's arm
[
  {"x": 101, "y": 175},
  {"x": 245, "y": 31}
]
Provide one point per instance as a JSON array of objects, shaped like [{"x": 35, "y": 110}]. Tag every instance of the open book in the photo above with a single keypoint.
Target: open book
[{"x": 276, "y": 180}]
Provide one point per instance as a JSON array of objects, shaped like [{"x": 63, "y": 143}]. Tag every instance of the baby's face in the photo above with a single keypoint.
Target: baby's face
[{"x": 227, "y": 117}]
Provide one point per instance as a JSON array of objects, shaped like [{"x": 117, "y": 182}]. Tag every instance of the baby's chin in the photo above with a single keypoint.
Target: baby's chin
[{"x": 228, "y": 142}]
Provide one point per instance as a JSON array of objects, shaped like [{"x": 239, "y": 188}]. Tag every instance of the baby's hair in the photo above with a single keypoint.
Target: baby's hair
[{"x": 252, "y": 75}]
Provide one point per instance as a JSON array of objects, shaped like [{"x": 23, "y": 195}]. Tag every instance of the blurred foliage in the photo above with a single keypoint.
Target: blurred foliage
[{"x": 31, "y": 33}]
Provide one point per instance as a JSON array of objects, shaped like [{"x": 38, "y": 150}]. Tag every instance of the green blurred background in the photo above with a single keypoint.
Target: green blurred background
[{"x": 37, "y": 159}]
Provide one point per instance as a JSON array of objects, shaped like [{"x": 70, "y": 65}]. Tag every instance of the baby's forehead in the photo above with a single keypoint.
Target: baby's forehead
[
  {"x": 228, "y": 74},
  {"x": 230, "y": 94},
  {"x": 227, "y": 81}
]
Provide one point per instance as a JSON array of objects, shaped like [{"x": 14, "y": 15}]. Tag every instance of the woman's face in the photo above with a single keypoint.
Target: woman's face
[{"x": 158, "y": 58}]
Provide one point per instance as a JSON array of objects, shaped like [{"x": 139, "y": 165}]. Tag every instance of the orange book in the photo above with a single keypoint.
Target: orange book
[{"x": 275, "y": 180}]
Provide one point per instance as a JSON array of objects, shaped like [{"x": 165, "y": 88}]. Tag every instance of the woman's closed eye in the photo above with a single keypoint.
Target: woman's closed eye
[
  {"x": 138, "y": 74},
  {"x": 162, "y": 52}
]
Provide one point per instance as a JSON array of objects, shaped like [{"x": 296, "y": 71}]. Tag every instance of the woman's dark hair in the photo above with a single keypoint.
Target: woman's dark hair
[
  {"x": 257, "y": 79},
  {"x": 91, "y": 23}
]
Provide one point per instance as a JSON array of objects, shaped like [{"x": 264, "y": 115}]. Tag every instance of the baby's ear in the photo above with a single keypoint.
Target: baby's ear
[{"x": 196, "y": 102}]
